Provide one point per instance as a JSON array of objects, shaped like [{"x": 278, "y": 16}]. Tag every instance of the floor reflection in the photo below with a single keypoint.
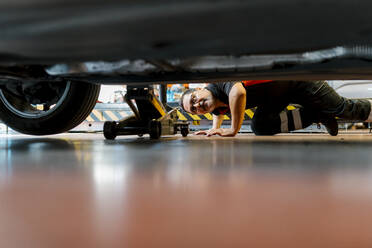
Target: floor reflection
[
  {"x": 68, "y": 191},
  {"x": 177, "y": 156}
]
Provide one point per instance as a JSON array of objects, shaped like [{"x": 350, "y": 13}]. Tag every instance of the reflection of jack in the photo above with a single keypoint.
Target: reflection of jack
[{"x": 150, "y": 117}]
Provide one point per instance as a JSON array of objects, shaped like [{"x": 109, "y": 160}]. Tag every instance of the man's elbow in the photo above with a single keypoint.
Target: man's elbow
[{"x": 238, "y": 94}]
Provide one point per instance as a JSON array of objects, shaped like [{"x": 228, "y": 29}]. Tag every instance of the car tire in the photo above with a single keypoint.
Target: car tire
[{"x": 77, "y": 102}]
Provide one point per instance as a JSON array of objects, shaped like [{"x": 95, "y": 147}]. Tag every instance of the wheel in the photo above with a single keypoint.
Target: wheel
[
  {"x": 155, "y": 129},
  {"x": 48, "y": 108},
  {"x": 184, "y": 131},
  {"x": 109, "y": 130}
]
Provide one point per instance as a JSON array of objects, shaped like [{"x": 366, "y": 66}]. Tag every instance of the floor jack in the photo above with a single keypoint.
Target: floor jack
[{"x": 150, "y": 117}]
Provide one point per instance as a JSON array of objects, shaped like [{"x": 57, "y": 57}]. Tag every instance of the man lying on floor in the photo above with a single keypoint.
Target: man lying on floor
[{"x": 319, "y": 103}]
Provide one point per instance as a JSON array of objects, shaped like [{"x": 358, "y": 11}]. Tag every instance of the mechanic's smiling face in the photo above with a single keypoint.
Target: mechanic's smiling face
[{"x": 199, "y": 102}]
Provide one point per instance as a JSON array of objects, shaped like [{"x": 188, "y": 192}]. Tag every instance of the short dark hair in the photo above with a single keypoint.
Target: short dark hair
[{"x": 189, "y": 91}]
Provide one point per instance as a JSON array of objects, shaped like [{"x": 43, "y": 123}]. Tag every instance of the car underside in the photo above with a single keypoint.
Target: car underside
[{"x": 55, "y": 54}]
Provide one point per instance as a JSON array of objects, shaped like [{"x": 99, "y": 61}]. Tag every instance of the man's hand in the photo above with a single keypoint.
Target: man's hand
[{"x": 224, "y": 132}]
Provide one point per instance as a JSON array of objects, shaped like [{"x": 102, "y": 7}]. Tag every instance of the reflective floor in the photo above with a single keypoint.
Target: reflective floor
[{"x": 79, "y": 190}]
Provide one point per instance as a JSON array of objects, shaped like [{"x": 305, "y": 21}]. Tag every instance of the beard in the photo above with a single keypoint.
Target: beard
[{"x": 208, "y": 104}]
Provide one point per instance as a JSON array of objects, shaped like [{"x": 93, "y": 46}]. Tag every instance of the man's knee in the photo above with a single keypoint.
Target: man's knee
[{"x": 263, "y": 126}]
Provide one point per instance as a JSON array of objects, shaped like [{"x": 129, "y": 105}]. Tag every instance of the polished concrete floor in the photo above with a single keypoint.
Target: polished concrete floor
[{"x": 79, "y": 190}]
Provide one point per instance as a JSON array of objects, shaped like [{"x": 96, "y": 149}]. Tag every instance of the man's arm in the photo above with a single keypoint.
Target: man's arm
[
  {"x": 216, "y": 124},
  {"x": 237, "y": 102},
  {"x": 217, "y": 121}
]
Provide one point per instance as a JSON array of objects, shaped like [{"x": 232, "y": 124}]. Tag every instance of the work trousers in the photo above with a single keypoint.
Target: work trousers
[{"x": 316, "y": 102}]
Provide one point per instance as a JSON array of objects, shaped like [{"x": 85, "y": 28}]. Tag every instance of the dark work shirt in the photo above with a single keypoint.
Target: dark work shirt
[
  {"x": 221, "y": 91},
  {"x": 257, "y": 94}
]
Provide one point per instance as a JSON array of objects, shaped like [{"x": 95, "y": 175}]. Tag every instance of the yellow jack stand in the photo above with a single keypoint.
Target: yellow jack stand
[{"x": 150, "y": 117}]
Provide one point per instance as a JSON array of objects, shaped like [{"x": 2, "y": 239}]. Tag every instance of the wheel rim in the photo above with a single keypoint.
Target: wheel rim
[{"x": 27, "y": 110}]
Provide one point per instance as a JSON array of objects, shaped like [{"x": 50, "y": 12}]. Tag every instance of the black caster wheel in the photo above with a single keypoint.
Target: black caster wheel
[
  {"x": 109, "y": 130},
  {"x": 155, "y": 129},
  {"x": 184, "y": 131}
]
